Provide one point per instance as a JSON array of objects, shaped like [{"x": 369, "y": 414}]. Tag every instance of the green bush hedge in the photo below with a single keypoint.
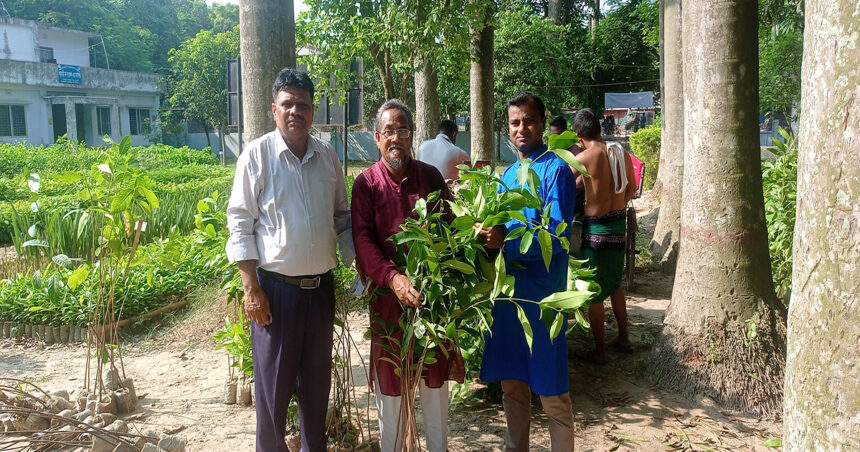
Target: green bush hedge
[
  {"x": 645, "y": 145},
  {"x": 72, "y": 156}
]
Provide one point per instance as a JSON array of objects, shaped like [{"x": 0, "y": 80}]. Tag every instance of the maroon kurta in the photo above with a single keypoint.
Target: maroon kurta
[{"x": 379, "y": 206}]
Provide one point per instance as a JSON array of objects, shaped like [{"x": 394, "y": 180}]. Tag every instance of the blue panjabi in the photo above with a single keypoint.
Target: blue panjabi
[{"x": 506, "y": 353}]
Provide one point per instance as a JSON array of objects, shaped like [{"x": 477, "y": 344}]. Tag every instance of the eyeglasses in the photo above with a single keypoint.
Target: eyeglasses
[{"x": 401, "y": 133}]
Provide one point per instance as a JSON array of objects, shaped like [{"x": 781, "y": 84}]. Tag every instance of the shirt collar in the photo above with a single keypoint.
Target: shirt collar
[
  {"x": 537, "y": 152},
  {"x": 443, "y": 136},
  {"x": 281, "y": 146}
]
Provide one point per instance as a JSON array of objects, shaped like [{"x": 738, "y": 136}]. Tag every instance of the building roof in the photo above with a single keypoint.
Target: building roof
[{"x": 44, "y": 26}]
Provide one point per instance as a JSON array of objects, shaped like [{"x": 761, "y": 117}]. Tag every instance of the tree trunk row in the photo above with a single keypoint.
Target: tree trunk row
[
  {"x": 724, "y": 330},
  {"x": 664, "y": 244}
]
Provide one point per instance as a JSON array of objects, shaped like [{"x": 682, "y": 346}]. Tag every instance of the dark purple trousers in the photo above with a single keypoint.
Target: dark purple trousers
[{"x": 293, "y": 354}]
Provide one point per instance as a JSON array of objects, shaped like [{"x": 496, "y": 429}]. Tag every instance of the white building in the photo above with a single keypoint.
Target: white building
[{"x": 48, "y": 88}]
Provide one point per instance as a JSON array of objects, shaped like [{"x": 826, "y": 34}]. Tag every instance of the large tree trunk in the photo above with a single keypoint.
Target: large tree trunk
[
  {"x": 426, "y": 103},
  {"x": 481, "y": 84},
  {"x": 268, "y": 44},
  {"x": 664, "y": 244},
  {"x": 724, "y": 330},
  {"x": 822, "y": 381},
  {"x": 595, "y": 17}
]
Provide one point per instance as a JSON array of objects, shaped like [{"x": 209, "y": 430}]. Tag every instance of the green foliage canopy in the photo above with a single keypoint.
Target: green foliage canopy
[{"x": 198, "y": 79}]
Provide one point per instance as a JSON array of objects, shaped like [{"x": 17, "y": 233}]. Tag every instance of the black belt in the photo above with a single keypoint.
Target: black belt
[{"x": 304, "y": 282}]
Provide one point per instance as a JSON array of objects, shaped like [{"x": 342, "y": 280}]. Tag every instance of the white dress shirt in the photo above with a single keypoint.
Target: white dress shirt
[
  {"x": 286, "y": 214},
  {"x": 444, "y": 155}
]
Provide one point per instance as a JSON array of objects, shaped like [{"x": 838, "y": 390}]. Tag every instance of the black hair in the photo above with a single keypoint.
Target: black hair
[
  {"x": 586, "y": 124},
  {"x": 526, "y": 97},
  {"x": 447, "y": 127},
  {"x": 292, "y": 77},
  {"x": 560, "y": 122}
]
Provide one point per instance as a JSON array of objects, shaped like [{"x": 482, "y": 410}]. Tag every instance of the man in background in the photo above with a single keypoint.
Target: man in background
[
  {"x": 556, "y": 127},
  {"x": 442, "y": 153},
  {"x": 604, "y": 228}
]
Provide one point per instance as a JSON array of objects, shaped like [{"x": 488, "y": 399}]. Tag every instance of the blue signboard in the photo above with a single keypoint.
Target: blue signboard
[{"x": 69, "y": 74}]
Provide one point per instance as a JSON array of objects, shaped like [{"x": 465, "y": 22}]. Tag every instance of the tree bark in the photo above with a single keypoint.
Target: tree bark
[
  {"x": 382, "y": 58},
  {"x": 595, "y": 17},
  {"x": 724, "y": 330},
  {"x": 559, "y": 11},
  {"x": 664, "y": 245},
  {"x": 822, "y": 382},
  {"x": 481, "y": 85},
  {"x": 268, "y": 44},
  {"x": 426, "y": 104}
]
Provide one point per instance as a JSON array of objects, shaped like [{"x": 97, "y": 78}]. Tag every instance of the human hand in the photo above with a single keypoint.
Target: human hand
[
  {"x": 405, "y": 291},
  {"x": 256, "y": 306},
  {"x": 493, "y": 237}
]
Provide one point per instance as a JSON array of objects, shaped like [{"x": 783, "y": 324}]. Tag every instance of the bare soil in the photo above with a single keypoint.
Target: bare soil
[{"x": 179, "y": 378}]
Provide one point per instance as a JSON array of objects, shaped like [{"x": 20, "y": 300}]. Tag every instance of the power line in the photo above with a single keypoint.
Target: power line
[{"x": 602, "y": 84}]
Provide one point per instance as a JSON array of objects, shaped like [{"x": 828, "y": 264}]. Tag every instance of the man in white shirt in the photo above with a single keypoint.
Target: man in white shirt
[
  {"x": 287, "y": 214},
  {"x": 442, "y": 153}
]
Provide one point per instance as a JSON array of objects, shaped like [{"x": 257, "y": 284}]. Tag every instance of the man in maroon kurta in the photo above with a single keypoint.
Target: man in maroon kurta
[{"x": 383, "y": 196}]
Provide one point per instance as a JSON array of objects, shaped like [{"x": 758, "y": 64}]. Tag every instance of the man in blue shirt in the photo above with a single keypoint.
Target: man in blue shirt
[{"x": 506, "y": 355}]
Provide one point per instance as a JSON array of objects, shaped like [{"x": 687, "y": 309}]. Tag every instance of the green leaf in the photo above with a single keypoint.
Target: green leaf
[
  {"x": 545, "y": 240},
  {"x": 464, "y": 222},
  {"x": 523, "y": 171},
  {"x": 527, "y": 328},
  {"x": 34, "y": 242},
  {"x": 534, "y": 182},
  {"x": 557, "y": 324},
  {"x": 150, "y": 197},
  {"x": 568, "y": 158},
  {"x": 563, "y": 140},
  {"x": 421, "y": 207},
  {"x": 83, "y": 222},
  {"x": 79, "y": 276},
  {"x": 500, "y": 276},
  {"x": 459, "y": 266},
  {"x": 121, "y": 200},
  {"x": 775, "y": 443},
  {"x": 457, "y": 209},
  {"x": 526, "y": 242},
  {"x": 125, "y": 144},
  {"x": 515, "y": 233},
  {"x": 63, "y": 261},
  {"x": 567, "y": 300}
]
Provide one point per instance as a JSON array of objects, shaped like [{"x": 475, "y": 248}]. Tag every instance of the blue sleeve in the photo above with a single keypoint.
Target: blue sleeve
[{"x": 559, "y": 187}]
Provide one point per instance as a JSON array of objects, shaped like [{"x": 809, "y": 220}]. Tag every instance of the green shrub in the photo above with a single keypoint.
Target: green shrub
[
  {"x": 779, "y": 180},
  {"x": 73, "y": 156},
  {"x": 645, "y": 145}
]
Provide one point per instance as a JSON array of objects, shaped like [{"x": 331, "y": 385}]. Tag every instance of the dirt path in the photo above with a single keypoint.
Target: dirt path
[{"x": 179, "y": 376}]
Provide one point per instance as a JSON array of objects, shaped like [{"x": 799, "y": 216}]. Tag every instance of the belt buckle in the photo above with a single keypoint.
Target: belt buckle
[{"x": 310, "y": 283}]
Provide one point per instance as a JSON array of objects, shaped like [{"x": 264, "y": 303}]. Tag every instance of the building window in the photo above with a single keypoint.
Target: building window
[
  {"x": 12, "y": 121},
  {"x": 46, "y": 55},
  {"x": 103, "y": 114},
  {"x": 138, "y": 121}
]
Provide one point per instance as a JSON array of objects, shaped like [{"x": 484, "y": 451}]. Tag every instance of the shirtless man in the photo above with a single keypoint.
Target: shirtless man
[{"x": 611, "y": 186}]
